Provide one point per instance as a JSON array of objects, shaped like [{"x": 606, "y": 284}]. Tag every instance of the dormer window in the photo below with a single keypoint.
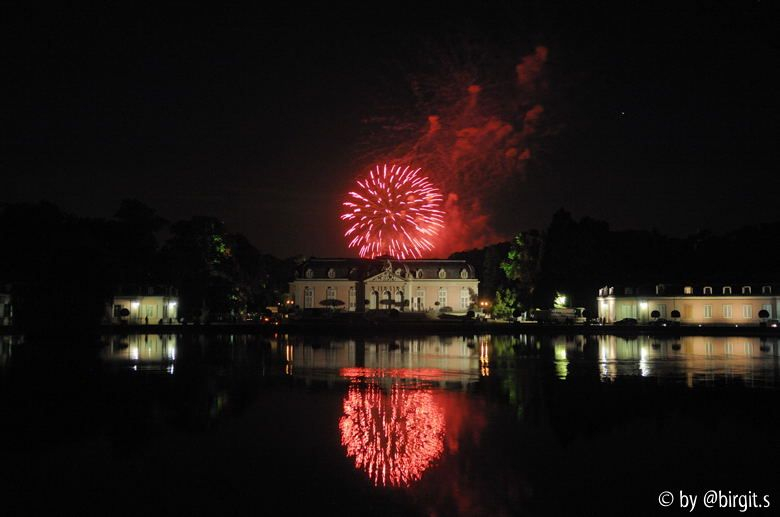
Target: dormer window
[
  {"x": 746, "y": 289},
  {"x": 727, "y": 289},
  {"x": 418, "y": 273},
  {"x": 628, "y": 290},
  {"x": 309, "y": 273},
  {"x": 708, "y": 290},
  {"x": 464, "y": 274},
  {"x": 766, "y": 289},
  {"x": 659, "y": 289},
  {"x": 688, "y": 289},
  {"x": 611, "y": 290},
  {"x": 442, "y": 274},
  {"x": 398, "y": 272},
  {"x": 331, "y": 273}
]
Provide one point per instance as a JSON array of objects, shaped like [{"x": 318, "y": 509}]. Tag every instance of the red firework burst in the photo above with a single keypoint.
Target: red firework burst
[{"x": 395, "y": 212}]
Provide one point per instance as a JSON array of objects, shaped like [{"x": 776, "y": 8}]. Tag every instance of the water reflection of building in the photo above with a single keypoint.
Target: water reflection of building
[
  {"x": 460, "y": 360},
  {"x": 142, "y": 349},
  {"x": 693, "y": 358},
  {"x": 7, "y": 344}
]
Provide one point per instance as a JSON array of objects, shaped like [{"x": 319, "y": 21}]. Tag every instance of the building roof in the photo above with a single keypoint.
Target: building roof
[
  {"x": 693, "y": 289},
  {"x": 361, "y": 269}
]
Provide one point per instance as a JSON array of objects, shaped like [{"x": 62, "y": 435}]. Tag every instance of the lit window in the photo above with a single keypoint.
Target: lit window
[
  {"x": 352, "y": 298},
  {"x": 708, "y": 290},
  {"x": 464, "y": 274},
  {"x": 746, "y": 289},
  {"x": 708, "y": 311},
  {"x": 727, "y": 290},
  {"x": 465, "y": 298},
  {"x": 309, "y": 273},
  {"x": 308, "y": 298},
  {"x": 330, "y": 294},
  {"x": 442, "y": 274},
  {"x": 688, "y": 289},
  {"x": 442, "y": 296},
  {"x": 747, "y": 311},
  {"x": 727, "y": 311},
  {"x": 766, "y": 290},
  {"x": 419, "y": 273},
  {"x": 331, "y": 273}
]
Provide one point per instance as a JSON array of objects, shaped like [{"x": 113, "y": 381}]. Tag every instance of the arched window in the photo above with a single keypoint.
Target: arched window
[
  {"x": 330, "y": 294},
  {"x": 419, "y": 273},
  {"x": 746, "y": 289},
  {"x": 464, "y": 273},
  {"x": 766, "y": 289},
  {"x": 399, "y": 297},
  {"x": 399, "y": 272},
  {"x": 442, "y": 274},
  {"x": 309, "y": 273},
  {"x": 331, "y": 273},
  {"x": 727, "y": 289},
  {"x": 442, "y": 296},
  {"x": 708, "y": 290},
  {"x": 308, "y": 298},
  {"x": 352, "y": 298},
  {"x": 465, "y": 298}
]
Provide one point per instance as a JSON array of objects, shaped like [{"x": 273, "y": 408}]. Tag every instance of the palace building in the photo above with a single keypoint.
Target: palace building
[
  {"x": 358, "y": 285},
  {"x": 705, "y": 304}
]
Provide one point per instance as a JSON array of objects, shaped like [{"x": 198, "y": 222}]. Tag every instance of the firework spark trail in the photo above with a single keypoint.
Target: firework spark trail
[{"x": 396, "y": 211}]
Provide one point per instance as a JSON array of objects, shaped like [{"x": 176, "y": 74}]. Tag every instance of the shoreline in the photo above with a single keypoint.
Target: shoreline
[{"x": 403, "y": 327}]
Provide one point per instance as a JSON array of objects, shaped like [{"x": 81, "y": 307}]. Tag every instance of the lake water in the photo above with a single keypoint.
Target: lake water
[{"x": 424, "y": 425}]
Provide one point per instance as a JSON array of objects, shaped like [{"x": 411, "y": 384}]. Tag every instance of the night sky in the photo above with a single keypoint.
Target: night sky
[{"x": 658, "y": 117}]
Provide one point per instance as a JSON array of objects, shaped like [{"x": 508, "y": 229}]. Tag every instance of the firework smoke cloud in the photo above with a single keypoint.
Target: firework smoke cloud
[{"x": 477, "y": 130}]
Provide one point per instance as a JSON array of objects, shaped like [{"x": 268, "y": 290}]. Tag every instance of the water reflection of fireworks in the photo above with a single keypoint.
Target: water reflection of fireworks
[{"x": 394, "y": 437}]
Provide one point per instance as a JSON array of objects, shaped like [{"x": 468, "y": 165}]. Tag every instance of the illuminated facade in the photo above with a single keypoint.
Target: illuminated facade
[
  {"x": 358, "y": 285},
  {"x": 705, "y": 304},
  {"x": 146, "y": 305}
]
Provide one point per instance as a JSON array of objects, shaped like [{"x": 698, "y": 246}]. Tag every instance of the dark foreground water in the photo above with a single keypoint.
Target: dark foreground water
[{"x": 464, "y": 425}]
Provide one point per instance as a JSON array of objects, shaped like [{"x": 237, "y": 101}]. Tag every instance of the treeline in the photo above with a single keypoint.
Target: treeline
[
  {"x": 62, "y": 269},
  {"x": 577, "y": 257}
]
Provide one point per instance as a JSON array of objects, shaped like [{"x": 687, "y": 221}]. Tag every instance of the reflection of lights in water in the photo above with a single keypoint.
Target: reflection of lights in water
[
  {"x": 644, "y": 364},
  {"x": 288, "y": 356},
  {"x": 134, "y": 353},
  {"x": 393, "y": 437},
  {"x": 561, "y": 362},
  {"x": 169, "y": 369},
  {"x": 484, "y": 357}
]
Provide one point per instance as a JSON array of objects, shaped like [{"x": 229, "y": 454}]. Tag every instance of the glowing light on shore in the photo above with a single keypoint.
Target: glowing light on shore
[{"x": 395, "y": 211}]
